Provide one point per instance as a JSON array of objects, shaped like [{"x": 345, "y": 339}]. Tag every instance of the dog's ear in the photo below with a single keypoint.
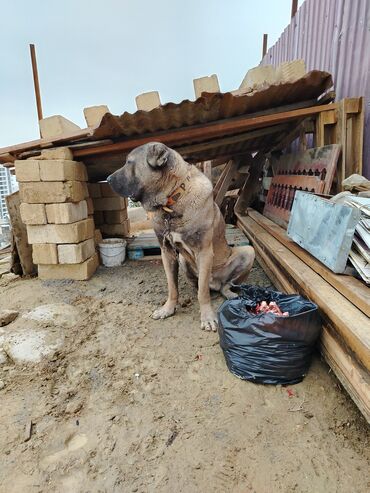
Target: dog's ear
[{"x": 157, "y": 155}]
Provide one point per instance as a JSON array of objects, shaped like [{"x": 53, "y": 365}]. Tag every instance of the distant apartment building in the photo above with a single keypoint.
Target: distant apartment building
[{"x": 8, "y": 184}]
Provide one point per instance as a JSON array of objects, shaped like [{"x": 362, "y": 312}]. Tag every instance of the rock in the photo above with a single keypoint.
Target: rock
[
  {"x": 3, "y": 357},
  {"x": 10, "y": 276},
  {"x": 31, "y": 346},
  {"x": 55, "y": 313},
  {"x": 2, "y": 384},
  {"x": 7, "y": 316}
]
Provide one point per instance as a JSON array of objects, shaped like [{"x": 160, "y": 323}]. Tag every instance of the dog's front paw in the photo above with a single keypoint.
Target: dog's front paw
[
  {"x": 167, "y": 310},
  {"x": 208, "y": 320}
]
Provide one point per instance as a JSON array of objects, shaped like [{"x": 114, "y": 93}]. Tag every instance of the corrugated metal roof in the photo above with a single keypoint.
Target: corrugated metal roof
[
  {"x": 212, "y": 107},
  {"x": 190, "y": 118},
  {"x": 333, "y": 35}
]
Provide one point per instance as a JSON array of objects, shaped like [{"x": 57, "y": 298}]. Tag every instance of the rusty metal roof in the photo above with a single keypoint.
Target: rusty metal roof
[
  {"x": 211, "y": 107},
  {"x": 210, "y": 110}
]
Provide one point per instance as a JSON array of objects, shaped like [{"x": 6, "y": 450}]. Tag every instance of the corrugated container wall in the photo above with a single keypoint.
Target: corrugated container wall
[{"x": 332, "y": 35}]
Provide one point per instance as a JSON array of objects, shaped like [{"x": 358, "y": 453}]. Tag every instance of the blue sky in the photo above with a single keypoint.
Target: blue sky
[{"x": 94, "y": 52}]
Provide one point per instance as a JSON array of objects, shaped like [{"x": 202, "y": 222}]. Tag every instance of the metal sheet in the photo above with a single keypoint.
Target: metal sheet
[
  {"x": 332, "y": 35},
  {"x": 323, "y": 228},
  {"x": 212, "y": 107}
]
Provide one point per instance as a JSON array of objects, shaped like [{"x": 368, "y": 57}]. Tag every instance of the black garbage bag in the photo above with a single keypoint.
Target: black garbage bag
[{"x": 267, "y": 348}]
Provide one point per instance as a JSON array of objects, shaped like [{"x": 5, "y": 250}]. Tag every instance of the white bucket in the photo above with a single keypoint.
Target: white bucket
[{"x": 112, "y": 251}]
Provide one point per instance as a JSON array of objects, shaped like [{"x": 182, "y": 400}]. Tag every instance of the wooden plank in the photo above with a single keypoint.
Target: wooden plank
[
  {"x": 234, "y": 139},
  {"x": 20, "y": 234},
  {"x": 225, "y": 180},
  {"x": 264, "y": 45},
  {"x": 40, "y": 143},
  {"x": 294, "y": 8},
  {"x": 252, "y": 184},
  {"x": 207, "y": 169},
  {"x": 350, "y": 287},
  {"x": 36, "y": 81},
  {"x": 352, "y": 376},
  {"x": 349, "y": 322},
  {"x": 358, "y": 121}
]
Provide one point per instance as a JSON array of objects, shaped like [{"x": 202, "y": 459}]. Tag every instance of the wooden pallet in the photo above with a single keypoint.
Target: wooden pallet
[
  {"x": 146, "y": 243},
  {"x": 310, "y": 171}
]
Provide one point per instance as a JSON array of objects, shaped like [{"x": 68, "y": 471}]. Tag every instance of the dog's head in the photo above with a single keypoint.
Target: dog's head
[{"x": 148, "y": 174}]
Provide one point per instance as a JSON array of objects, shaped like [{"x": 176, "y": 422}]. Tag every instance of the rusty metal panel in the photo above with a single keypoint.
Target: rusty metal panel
[
  {"x": 213, "y": 107},
  {"x": 332, "y": 35}
]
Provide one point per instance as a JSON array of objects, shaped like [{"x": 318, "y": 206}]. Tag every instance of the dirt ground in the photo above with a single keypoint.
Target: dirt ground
[{"x": 128, "y": 404}]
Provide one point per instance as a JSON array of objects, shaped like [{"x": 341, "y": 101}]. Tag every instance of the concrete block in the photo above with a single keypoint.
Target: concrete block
[
  {"x": 62, "y": 170},
  {"x": 106, "y": 190},
  {"x": 94, "y": 114},
  {"x": 98, "y": 236},
  {"x": 116, "y": 229},
  {"x": 148, "y": 101},
  {"x": 137, "y": 214},
  {"x": 33, "y": 213},
  {"x": 90, "y": 206},
  {"x": 115, "y": 217},
  {"x": 291, "y": 71},
  {"x": 53, "y": 192},
  {"x": 76, "y": 253},
  {"x": 258, "y": 76},
  {"x": 206, "y": 84},
  {"x": 56, "y": 153},
  {"x": 56, "y": 125},
  {"x": 77, "y": 272},
  {"x": 99, "y": 218},
  {"x": 110, "y": 204},
  {"x": 94, "y": 190},
  {"x": 27, "y": 170},
  {"x": 66, "y": 213},
  {"x": 61, "y": 233},
  {"x": 45, "y": 253}
]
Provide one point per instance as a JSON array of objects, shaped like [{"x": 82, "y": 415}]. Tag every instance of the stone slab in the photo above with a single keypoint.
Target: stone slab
[
  {"x": 61, "y": 233},
  {"x": 66, "y": 213},
  {"x": 77, "y": 272}
]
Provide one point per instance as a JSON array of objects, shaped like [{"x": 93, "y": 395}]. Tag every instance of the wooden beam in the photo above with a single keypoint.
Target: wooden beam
[
  {"x": 264, "y": 45},
  {"x": 20, "y": 234},
  {"x": 234, "y": 139},
  {"x": 252, "y": 184},
  {"x": 349, "y": 322},
  {"x": 353, "y": 289},
  {"x": 206, "y": 131},
  {"x": 294, "y": 8},
  {"x": 224, "y": 181},
  {"x": 36, "y": 81},
  {"x": 207, "y": 169}
]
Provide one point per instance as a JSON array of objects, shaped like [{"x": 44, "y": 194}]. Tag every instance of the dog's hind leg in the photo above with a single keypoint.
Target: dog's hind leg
[{"x": 236, "y": 270}]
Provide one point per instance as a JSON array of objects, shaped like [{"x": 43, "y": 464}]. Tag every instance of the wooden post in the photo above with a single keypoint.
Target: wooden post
[
  {"x": 264, "y": 47},
  {"x": 36, "y": 81},
  {"x": 294, "y": 8}
]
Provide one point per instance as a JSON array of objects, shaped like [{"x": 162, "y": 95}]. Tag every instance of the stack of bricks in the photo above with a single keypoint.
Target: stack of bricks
[
  {"x": 55, "y": 207},
  {"x": 110, "y": 210}
]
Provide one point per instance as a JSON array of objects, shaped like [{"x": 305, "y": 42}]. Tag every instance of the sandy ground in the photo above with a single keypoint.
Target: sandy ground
[{"x": 130, "y": 404}]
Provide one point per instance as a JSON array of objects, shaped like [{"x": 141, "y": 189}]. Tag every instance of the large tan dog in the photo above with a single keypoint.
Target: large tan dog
[{"x": 187, "y": 222}]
